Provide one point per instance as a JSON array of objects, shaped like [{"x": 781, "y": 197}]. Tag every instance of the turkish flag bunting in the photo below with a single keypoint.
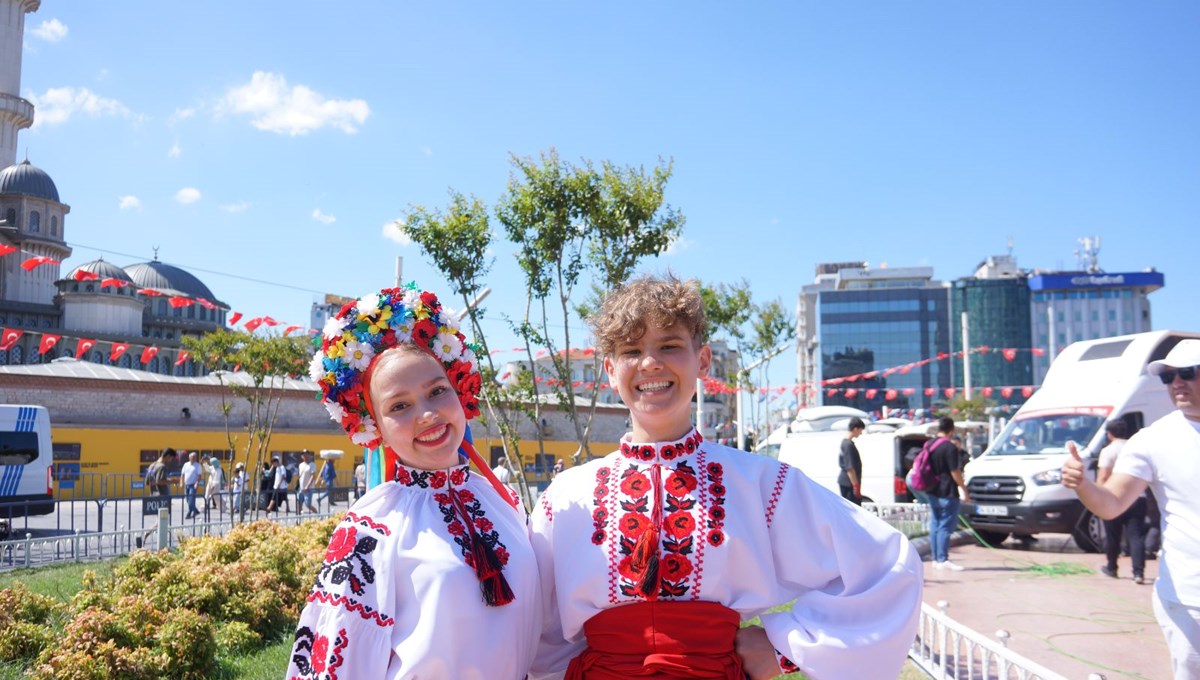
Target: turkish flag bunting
[
  {"x": 949, "y": 392},
  {"x": 81, "y": 275},
  {"x": 889, "y": 395},
  {"x": 506, "y": 374},
  {"x": 910, "y": 391},
  {"x": 5, "y": 250},
  {"x": 35, "y": 262},
  {"x": 796, "y": 389},
  {"x": 83, "y": 347},
  {"x": 1006, "y": 392},
  {"x": 253, "y": 324},
  {"x": 9, "y": 338},
  {"x": 178, "y": 301},
  {"x": 906, "y": 368},
  {"x": 929, "y": 391},
  {"x": 1038, "y": 351},
  {"x": 984, "y": 349},
  {"x": 942, "y": 355},
  {"x": 289, "y": 329},
  {"x": 1009, "y": 353},
  {"x": 987, "y": 391},
  {"x": 270, "y": 322},
  {"x": 871, "y": 393},
  {"x": 118, "y": 349},
  {"x": 48, "y": 342},
  {"x": 872, "y": 374},
  {"x": 206, "y": 303},
  {"x": 234, "y": 318},
  {"x": 1026, "y": 391},
  {"x": 851, "y": 393},
  {"x": 148, "y": 354},
  {"x": 152, "y": 292},
  {"x": 832, "y": 392},
  {"x": 183, "y": 356},
  {"x": 113, "y": 282}
]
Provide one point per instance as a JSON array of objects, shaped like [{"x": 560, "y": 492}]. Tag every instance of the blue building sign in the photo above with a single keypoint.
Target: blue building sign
[{"x": 1151, "y": 280}]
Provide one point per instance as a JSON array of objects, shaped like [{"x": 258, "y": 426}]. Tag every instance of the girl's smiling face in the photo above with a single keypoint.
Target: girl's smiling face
[{"x": 417, "y": 409}]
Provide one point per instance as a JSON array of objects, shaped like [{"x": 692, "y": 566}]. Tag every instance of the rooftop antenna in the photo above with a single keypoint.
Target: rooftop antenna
[
  {"x": 1088, "y": 254},
  {"x": 1010, "y": 245},
  {"x": 156, "y": 253}
]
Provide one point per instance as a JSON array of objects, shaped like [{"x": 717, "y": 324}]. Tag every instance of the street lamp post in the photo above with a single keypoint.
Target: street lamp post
[{"x": 745, "y": 372}]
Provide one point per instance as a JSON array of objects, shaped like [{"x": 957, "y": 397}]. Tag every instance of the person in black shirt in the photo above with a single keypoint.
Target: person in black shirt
[
  {"x": 850, "y": 478},
  {"x": 947, "y": 461}
]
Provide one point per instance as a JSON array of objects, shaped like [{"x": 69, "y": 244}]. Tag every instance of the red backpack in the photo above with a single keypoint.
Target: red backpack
[{"x": 923, "y": 477}]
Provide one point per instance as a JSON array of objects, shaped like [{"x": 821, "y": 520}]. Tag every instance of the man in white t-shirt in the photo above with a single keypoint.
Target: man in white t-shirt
[
  {"x": 189, "y": 475},
  {"x": 307, "y": 474},
  {"x": 360, "y": 480},
  {"x": 1166, "y": 458}
]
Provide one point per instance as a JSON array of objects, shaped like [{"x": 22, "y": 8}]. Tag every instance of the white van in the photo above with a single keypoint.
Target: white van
[
  {"x": 814, "y": 441},
  {"x": 26, "y": 481},
  {"x": 1016, "y": 484}
]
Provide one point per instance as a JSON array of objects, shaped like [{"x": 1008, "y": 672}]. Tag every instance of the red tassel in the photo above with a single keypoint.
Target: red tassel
[
  {"x": 645, "y": 560},
  {"x": 489, "y": 571}
]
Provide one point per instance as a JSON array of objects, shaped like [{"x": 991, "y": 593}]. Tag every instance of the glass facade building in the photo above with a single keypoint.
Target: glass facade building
[{"x": 998, "y": 319}]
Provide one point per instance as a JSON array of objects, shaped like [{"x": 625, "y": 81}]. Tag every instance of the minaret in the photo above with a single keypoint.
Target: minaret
[{"x": 15, "y": 113}]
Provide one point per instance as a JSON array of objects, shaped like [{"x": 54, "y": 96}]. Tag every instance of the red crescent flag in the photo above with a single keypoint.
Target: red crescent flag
[
  {"x": 872, "y": 392},
  {"x": 1038, "y": 351},
  {"x": 148, "y": 354},
  {"x": 253, "y": 324},
  {"x": 9, "y": 338},
  {"x": 206, "y": 303},
  {"x": 851, "y": 393},
  {"x": 909, "y": 391},
  {"x": 183, "y": 356},
  {"x": 929, "y": 391},
  {"x": 35, "y": 262},
  {"x": 1006, "y": 392},
  {"x": 83, "y": 347},
  {"x": 178, "y": 301},
  {"x": 113, "y": 282},
  {"x": 889, "y": 395},
  {"x": 48, "y": 342},
  {"x": 1009, "y": 353},
  {"x": 234, "y": 318},
  {"x": 81, "y": 275},
  {"x": 118, "y": 349},
  {"x": 289, "y": 329},
  {"x": 949, "y": 392},
  {"x": 987, "y": 391},
  {"x": 5, "y": 250},
  {"x": 1027, "y": 391},
  {"x": 270, "y": 322},
  {"x": 832, "y": 392},
  {"x": 152, "y": 292}
]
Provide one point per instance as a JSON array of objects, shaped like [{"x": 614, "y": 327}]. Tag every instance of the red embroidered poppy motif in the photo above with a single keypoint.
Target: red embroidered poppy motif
[
  {"x": 348, "y": 566},
  {"x": 316, "y": 657},
  {"x": 469, "y": 508}
]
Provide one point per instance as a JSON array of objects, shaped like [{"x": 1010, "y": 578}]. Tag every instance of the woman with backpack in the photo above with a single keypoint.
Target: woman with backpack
[{"x": 942, "y": 477}]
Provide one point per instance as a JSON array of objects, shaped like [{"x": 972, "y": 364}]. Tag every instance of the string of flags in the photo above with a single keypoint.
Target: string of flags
[{"x": 49, "y": 341}]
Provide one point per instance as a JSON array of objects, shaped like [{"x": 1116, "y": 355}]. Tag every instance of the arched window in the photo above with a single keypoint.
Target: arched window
[
  {"x": 153, "y": 368},
  {"x": 91, "y": 288},
  {"x": 97, "y": 357},
  {"x": 16, "y": 355},
  {"x": 54, "y": 225},
  {"x": 162, "y": 307},
  {"x": 35, "y": 221},
  {"x": 3, "y": 357},
  {"x": 179, "y": 311},
  {"x": 167, "y": 366},
  {"x": 191, "y": 311},
  {"x": 10, "y": 216},
  {"x": 125, "y": 361}
]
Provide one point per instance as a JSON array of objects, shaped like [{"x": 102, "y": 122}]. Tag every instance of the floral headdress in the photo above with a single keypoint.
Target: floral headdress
[{"x": 366, "y": 328}]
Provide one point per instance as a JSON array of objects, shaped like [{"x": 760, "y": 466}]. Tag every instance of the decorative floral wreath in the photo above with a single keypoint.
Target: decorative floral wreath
[{"x": 364, "y": 329}]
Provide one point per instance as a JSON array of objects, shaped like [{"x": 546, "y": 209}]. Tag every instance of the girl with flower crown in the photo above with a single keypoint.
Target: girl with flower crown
[{"x": 429, "y": 575}]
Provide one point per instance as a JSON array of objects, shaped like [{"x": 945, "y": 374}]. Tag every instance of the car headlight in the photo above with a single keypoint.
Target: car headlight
[{"x": 1048, "y": 477}]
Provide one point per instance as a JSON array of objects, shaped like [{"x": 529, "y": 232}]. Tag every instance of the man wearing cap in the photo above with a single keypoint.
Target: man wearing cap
[{"x": 1165, "y": 457}]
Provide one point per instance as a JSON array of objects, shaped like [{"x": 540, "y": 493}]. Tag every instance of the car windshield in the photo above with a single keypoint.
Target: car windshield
[{"x": 1048, "y": 433}]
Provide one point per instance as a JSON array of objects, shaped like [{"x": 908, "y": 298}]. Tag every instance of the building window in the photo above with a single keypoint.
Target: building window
[
  {"x": 54, "y": 225},
  {"x": 1060, "y": 317},
  {"x": 1112, "y": 315},
  {"x": 97, "y": 357},
  {"x": 162, "y": 307},
  {"x": 191, "y": 311},
  {"x": 35, "y": 222},
  {"x": 10, "y": 216},
  {"x": 1095, "y": 315}
]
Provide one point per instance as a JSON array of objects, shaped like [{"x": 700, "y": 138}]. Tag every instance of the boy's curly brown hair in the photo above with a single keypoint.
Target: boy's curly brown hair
[{"x": 626, "y": 311}]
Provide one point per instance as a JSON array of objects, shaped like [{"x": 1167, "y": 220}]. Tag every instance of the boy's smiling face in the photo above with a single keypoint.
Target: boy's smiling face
[{"x": 656, "y": 378}]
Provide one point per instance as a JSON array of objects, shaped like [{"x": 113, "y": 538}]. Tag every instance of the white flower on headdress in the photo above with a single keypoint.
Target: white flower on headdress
[
  {"x": 358, "y": 355},
  {"x": 336, "y": 412},
  {"x": 367, "y": 305},
  {"x": 404, "y": 333},
  {"x": 412, "y": 299},
  {"x": 449, "y": 319},
  {"x": 469, "y": 357},
  {"x": 316, "y": 367},
  {"x": 334, "y": 328},
  {"x": 447, "y": 346},
  {"x": 366, "y": 432}
]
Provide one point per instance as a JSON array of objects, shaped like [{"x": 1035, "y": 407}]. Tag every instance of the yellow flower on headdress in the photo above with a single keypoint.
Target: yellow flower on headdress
[
  {"x": 380, "y": 324},
  {"x": 421, "y": 312}
]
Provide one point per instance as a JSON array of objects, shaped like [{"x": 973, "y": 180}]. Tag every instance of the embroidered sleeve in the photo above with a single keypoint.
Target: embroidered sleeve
[
  {"x": 344, "y": 630},
  {"x": 554, "y": 651},
  {"x": 855, "y": 580}
]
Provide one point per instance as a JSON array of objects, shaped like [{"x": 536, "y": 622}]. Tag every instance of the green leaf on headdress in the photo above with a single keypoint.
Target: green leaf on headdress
[
  {"x": 411, "y": 285},
  {"x": 362, "y": 326}
]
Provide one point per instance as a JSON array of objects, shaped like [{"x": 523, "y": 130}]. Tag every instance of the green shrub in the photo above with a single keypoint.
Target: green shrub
[
  {"x": 24, "y": 641},
  {"x": 235, "y": 637}
]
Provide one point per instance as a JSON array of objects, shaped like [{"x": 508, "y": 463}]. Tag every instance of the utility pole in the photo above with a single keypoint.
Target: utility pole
[
  {"x": 745, "y": 372},
  {"x": 966, "y": 358}
]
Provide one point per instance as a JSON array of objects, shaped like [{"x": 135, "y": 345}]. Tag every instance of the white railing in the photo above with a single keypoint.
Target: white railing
[
  {"x": 78, "y": 547},
  {"x": 948, "y": 650},
  {"x": 911, "y": 519}
]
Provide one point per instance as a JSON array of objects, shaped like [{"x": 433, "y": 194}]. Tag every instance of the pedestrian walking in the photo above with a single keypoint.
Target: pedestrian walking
[
  {"x": 1131, "y": 524},
  {"x": 328, "y": 480},
  {"x": 306, "y": 475},
  {"x": 947, "y": 461},
  {"x": 189, "y": 476},
  {"x": 214, "y": 486},
  {"x": 850, "y": 462}
]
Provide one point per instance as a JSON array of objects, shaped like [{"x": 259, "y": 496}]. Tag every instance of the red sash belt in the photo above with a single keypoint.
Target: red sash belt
[{"x": 660, "y": 640}]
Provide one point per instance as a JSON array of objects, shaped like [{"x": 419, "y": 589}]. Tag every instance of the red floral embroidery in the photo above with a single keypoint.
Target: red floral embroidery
[
  {"x": 680, "y": 483},
  {"x": 600, "y": 513},
  {"x": 312, "y": 656},
  {"x": 786, "y": 664},
  {"x": 679, "y": 525},
  {"x": 633, "y": 523},
  {"x": 473, "y": 509},
  {"x": 458, "y": 476},
  {"x": 341, "y": 544},
  {"x": 716, "y": 510},
  {"x": 675, "y": 567},
  {"x": 635, "y": 485}
]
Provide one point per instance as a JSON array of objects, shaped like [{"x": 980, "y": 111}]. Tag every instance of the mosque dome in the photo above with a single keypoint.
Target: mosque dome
[
  {"x": 168, "y": 279},
  {"x": 27, "y": 179},
  {"x": 101, "y": 268}
]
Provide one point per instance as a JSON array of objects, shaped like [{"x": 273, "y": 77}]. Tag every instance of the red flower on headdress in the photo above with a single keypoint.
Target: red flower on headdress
[
  {"x": 430, "y": 300},
  {"x": 470, "y": 384},
  {"x": 346, "y": 309},
  {"x": 424, "y": 331},
  {"x": 458, "y": 372},
  {"x": 470, "y": 406}
]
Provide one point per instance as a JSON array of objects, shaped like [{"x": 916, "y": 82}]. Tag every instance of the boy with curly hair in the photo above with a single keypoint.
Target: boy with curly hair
[{"x": 651, "y": 556}]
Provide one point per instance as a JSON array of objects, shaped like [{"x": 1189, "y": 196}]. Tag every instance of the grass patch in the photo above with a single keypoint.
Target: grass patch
[
  {"x": 267, "y": 663},
  {"x": 1059, "y": 569},
  {"x": 60, "y": 582}
]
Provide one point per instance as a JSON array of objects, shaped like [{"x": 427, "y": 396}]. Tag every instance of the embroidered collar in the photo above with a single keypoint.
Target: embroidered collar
[
  {"x": 664, "y": 451},
  {"x": 432, "y": 479}
]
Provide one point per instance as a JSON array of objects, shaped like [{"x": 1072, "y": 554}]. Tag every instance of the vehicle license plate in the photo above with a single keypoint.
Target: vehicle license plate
[{"x": 994, "y": 510}]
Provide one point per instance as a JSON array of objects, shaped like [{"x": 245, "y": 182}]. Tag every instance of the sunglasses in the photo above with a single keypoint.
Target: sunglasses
[{"x": 1187, "y": 373}]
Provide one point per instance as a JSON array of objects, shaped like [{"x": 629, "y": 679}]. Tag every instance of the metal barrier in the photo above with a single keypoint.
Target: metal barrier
[
  {"x": 948, "y": 650},
  {"x": 911, "y": 519}
]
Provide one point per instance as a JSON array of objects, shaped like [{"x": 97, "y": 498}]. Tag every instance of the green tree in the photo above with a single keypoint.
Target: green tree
[
  {"x": 773, "y": 327},
  {"x": 262, "y": 364}
]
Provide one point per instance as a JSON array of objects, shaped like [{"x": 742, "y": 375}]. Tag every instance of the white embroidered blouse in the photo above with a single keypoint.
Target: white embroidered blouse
[
  {"x": 397, "y": 595},
  {"x": 739, "y": 529}
]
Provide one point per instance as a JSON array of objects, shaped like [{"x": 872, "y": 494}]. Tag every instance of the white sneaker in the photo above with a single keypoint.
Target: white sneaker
[
  {"x": 951, "y": 566},
  {"x": 939, "y": 565}
]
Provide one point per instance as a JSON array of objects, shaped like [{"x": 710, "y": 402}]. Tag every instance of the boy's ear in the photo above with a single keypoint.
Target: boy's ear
[
  {"x": 608, "y": 368},
  {"x": 705, "y": 360}
]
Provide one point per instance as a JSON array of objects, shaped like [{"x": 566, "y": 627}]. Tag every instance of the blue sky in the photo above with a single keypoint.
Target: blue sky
[{"x": 274, "y": 141}]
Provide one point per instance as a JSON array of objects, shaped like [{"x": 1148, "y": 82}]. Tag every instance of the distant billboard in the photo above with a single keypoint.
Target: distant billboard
[
  {"x": 1097, "y": 280},
  {"x": 338, "y": 300}
]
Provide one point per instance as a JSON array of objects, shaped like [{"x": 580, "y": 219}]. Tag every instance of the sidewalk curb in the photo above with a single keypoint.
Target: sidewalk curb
[{"x": 961, "y": 537}]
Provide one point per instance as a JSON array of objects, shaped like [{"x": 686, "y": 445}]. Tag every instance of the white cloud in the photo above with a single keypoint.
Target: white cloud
[
  {"x": 392, "y": 232},
  {"x": 174, "y": 151},
  {"x": 322, "y": 217},
  {"x": 677, "y": 246},
  {"x": 51, "y": 30},
  {"x": 58, "y": 104},
  {"x": 187, "y": 195},
  {"x": 180, "y": 114},
  {"x": 236, "y": 207},
  {"x": 130, "y": 203},
  {"x": 273, "y": 106}
]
